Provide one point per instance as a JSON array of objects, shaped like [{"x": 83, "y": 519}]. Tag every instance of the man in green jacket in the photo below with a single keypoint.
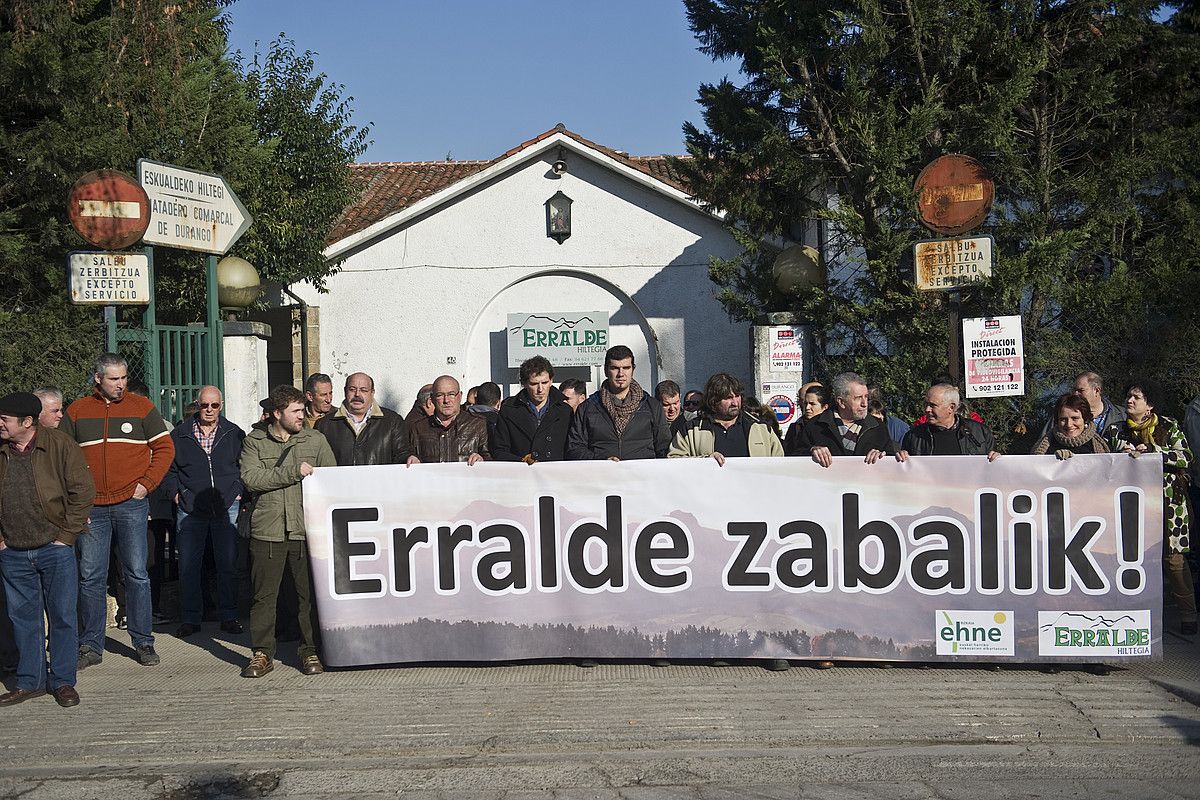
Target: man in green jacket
[{"x": 275, "y": 460}]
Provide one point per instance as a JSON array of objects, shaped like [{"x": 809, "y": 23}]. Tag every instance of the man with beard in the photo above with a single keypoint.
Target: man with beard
[
  {"x": 723, "y": 430},
  {"x": 533, "y": 425},
  {"x": 275, "y": 460},
  {"x": 362, "y": 432},
  {"x": 620, "y": 421},
  {"x": 845, "y": 428}
]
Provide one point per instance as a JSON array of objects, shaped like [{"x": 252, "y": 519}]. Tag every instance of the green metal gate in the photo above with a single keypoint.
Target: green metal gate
[{"x": 174, "y": 361}]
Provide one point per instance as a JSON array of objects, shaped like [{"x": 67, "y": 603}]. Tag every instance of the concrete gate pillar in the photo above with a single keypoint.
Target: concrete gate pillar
[{"x": 246, "y": 380}]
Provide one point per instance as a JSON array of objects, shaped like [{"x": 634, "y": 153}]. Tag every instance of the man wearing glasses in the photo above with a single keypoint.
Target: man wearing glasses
[
  {"x": 206, "y": 487},
  {"x": 450, "y": 435}
]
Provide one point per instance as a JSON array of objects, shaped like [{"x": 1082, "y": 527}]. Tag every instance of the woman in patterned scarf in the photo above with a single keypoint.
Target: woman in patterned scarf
[{"x": 1147, "y": 431}]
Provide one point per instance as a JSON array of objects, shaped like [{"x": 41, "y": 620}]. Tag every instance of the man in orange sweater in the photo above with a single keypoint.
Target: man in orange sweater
[{"x": 128, "y": 449}]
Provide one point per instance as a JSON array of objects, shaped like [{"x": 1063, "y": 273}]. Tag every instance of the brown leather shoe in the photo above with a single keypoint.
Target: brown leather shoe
[
  {"x": 311, "y": 665},
  {"x": 260, "y": 664},
  {"x": 66, "y": 696},
  {"x": 19, "y": 696}
]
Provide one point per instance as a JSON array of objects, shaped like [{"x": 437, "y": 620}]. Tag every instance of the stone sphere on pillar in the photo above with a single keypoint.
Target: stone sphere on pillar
[
  {"x": 797, "y": 269},
  {"x": 238, "y": 284}
]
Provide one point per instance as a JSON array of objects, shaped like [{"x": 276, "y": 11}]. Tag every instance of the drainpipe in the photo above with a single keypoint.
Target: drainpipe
[{"x": 303, "y": 331}]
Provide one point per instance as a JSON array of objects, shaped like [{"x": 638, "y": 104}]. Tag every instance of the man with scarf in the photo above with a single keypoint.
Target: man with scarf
[
  {"x": 845, "y": 428},
  {"x": 620, "y": 421}
]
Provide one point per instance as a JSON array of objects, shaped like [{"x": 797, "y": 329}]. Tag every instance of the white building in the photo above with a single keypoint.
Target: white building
[{"x": 437, "y": 254}]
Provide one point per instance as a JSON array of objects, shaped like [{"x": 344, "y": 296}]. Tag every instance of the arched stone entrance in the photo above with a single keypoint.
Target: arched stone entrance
[{"x": 557, "y": 291}]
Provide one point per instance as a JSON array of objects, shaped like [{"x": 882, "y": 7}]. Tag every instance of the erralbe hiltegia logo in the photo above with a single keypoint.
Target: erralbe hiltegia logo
[
  {"x": 974, "y": 633},
  {"x": 1094, "y": 633}
]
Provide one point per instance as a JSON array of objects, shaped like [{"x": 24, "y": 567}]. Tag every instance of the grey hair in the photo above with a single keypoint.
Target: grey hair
[
  {"x": 310, "y": 383},
  {"x": 842, "y": 383},
  {"x": 110, "y": 360},
  {"x": 1094, "y": 380},
  {"x": 949, "y": 394},
  {"x": 49, "y": 393}
]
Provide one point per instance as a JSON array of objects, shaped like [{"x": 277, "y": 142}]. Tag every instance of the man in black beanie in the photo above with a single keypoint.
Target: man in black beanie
[{"x": 46, "y": 494}]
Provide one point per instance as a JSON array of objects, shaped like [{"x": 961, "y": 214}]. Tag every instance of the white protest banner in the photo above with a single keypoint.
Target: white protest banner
[
  {"x": 994, "y": 352},
  {"x": 942, "y": 558}
]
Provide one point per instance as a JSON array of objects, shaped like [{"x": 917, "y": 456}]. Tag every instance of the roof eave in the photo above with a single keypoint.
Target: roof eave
[{"x": 354, "y": 241}]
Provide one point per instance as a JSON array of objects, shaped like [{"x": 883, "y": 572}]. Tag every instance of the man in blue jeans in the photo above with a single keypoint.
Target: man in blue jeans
[
  {"x": 129, "y": 450},
  {"x": 46, "y": 493},
  {"x": 206, "y": 487}
]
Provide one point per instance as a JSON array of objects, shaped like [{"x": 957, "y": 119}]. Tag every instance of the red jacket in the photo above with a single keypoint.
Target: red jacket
[{"x": 125, "y": 443}]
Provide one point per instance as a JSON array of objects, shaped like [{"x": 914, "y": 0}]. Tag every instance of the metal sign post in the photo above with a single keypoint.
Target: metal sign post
[{"x": 954, "y": 195}]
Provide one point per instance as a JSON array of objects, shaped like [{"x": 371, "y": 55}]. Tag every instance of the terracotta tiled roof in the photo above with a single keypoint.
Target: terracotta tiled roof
[{"x": 387, "y": 187}]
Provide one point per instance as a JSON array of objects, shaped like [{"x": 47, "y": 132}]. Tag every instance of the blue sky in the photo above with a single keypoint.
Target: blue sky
[{"x": 472, "y": 79}]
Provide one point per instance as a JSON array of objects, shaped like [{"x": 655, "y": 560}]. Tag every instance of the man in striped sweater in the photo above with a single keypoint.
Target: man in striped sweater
[{"x": 128, "y": 449}]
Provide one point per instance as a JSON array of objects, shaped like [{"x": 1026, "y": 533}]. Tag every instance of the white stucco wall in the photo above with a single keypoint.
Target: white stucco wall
[{"x": 440, "y": 286}]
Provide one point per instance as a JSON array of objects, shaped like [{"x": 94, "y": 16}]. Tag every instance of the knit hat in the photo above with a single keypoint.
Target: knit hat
[{"x": 20, "y": 405}]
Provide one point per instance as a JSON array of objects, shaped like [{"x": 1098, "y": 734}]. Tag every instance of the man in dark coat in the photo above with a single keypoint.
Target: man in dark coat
[
  {"x": 362, "y": 432},
  {"x": 845, "y": 428},
  {"x": 533, "y": 425},
  {"x": 620, "y": 421},
  {"x": 206, "y": 487},
  {"x": 945, "y": 433}
]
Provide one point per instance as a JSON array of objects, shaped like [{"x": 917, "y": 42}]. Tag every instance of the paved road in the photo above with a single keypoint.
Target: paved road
[{"x": 192, "y": 728}]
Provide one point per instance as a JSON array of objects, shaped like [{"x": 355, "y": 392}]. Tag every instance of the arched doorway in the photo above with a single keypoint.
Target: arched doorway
[{"x": 557, "y": 291}]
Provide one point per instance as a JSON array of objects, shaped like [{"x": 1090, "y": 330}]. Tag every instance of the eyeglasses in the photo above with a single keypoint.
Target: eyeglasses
[
  {"x": 691, "y": 404},
  {"x": 208, "y": 405}
]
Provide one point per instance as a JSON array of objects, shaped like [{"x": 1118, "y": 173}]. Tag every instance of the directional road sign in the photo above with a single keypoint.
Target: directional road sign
[{"x": 191, "y": 210}]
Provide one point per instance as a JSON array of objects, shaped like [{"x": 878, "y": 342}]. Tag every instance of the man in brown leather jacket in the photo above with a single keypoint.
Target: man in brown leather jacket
[{"x": 450, "y": 434}]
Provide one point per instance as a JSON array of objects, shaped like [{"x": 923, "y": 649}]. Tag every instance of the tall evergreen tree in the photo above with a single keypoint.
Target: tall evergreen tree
[
  {"x": 98, "y": 84},
  {"x": 1082, "y": 113}
]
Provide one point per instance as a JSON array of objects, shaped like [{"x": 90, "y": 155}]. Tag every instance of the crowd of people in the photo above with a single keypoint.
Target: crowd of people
[{"x": 76, "y": 481}]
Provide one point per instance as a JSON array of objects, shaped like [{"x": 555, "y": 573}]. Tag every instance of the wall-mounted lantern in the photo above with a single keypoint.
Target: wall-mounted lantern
[{"x": 558, "y": 217}]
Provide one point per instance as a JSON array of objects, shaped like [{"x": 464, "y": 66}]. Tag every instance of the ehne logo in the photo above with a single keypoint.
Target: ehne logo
[{"x": 974, "y": 633}]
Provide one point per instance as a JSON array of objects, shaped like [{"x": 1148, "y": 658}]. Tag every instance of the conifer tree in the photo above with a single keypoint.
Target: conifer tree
[{"x": 1085, "y": 116}]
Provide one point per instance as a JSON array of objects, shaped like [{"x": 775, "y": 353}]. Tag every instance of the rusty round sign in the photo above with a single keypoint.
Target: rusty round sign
[
  {"x": 109, "y": 209},
  {"x": 954, "y": 194}
]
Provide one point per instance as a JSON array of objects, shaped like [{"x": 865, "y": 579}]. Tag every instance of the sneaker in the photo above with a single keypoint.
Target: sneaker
[
  {"x": 260, "y": 664},
  {"x": 88, "y": 657},
  {"x": 311, "y": 665},
  {"x": 146, "y": 655}
]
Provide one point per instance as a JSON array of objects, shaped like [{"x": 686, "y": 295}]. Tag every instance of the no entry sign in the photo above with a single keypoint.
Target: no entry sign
[{"x": 109, "y": 209}]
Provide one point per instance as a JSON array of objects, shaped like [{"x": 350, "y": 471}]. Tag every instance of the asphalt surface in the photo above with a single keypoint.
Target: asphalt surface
[{"x": 193, "y": 728}]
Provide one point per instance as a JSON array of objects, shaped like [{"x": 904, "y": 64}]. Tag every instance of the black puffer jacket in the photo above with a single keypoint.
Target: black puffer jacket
[
  {"x": 384, "y": 439},
  {"x": 518, "y": 432},
  {"x": 974, "y": 439},
  {"x": 822, "y": 431},
  {"x": 594, "y": 436}
]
